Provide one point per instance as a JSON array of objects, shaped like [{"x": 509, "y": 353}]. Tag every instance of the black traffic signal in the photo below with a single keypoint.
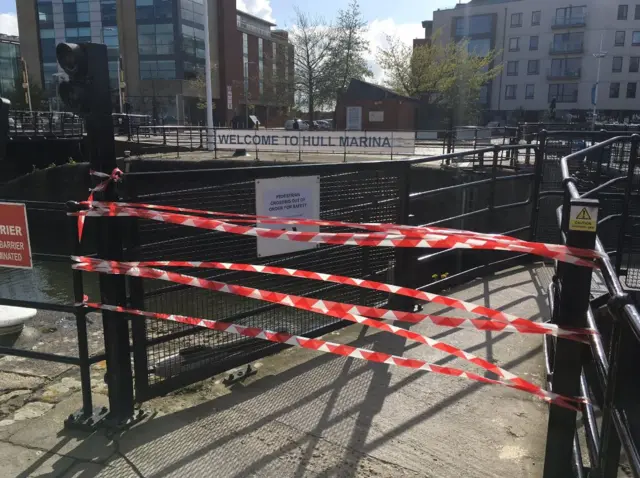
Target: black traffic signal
[{"x": 88, "y": 90}]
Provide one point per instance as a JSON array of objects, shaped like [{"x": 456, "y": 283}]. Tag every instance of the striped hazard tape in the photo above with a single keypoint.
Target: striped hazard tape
[
  {"x": 498, "y": 321},
  {"x": 326, "y": 308},
  {"x": 407, "y": 231},
  {"x": 582, "y": 257}
]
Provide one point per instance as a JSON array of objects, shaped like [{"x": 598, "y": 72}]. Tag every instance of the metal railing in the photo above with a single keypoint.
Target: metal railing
[
  {"x": 605, "y": 371},
  {"x": 56, "y": 124},
  {"x": 177, "y": 140}
]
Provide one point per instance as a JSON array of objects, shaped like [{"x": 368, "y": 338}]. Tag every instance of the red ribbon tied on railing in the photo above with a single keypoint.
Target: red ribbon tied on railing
[{"x": 115, "y": 176}]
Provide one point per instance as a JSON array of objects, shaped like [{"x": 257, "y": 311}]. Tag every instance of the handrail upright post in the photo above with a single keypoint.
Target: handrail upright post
[
  {"x": 579, "y": 219},
  {"x": 537, "y": 183}
]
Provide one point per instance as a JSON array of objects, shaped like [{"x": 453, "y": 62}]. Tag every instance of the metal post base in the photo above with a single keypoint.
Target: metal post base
[
  {"x": 101, "y": 419},
  {"x": 90, "y": 423}
]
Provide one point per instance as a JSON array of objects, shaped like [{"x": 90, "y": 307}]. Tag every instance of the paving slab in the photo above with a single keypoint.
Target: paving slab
[
  {"x": 47, "y": 433},
  {"x": 20, "y": 462}
]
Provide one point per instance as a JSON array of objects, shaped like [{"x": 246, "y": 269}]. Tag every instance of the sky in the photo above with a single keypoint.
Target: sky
[{"x": 402, "y": 20}]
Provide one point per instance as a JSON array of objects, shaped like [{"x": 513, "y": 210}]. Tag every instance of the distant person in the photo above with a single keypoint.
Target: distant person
[{"x": 296, "y": 125}]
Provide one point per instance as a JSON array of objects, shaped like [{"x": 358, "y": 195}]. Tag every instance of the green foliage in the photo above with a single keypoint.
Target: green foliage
[
  {"x": 444, "y": 74},
  {"x": 350, "y": 47}
]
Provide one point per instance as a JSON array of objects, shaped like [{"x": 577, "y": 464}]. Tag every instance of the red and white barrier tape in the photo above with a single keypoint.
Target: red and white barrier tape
[
  {"x": 435, "y": 241},
  {"x": 350, "y": 351},
  {"x": 116, "y": 175},
  {"x": 499, "y": 321},
  {"x": 407, "y": 231},
  {"x": 311, "y": 305}
]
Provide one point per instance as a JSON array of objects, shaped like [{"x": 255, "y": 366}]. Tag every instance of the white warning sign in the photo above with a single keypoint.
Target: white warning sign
[
  {"x": 290, "y": 197},
  {"x": 583, "y": 218}
]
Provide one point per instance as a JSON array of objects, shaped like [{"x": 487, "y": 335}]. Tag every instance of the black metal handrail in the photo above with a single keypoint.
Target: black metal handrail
[{"x": 613, "y": 373}]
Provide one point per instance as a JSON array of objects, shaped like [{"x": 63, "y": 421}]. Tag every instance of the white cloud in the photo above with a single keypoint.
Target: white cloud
[
  {"x": 8, "y": 23},
  {"x": 258, "y": 8},
  {"x": 377, "y": 36}
]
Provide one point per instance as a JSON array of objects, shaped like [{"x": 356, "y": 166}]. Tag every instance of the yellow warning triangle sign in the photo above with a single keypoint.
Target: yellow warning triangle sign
[{"x": 584, "y": 215}]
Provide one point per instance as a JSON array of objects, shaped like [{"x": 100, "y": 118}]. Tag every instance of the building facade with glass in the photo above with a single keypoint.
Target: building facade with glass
[
  {"x": 549, "y": 50},
  {"x": 10, "y": 65},
  {"x": 158, "y": 46}
]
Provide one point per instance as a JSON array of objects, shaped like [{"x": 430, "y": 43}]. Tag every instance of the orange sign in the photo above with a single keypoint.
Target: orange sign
[{"x": 15, "y": 249}]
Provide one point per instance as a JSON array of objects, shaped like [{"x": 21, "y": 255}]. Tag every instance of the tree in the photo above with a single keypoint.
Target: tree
[
  {"x": 19, "y": 98},
  {"x": 313, "y": 43},
  {"x": 350, "y": 47},
  {"x": 199, "y": 85},
  {"x": 447, "y": 76}
]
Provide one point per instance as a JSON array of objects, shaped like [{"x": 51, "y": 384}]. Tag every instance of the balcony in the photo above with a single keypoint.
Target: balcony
[
  {"x": 554, "y": 74},
  {"x": 566, "y": 48},
  {"x": 578, "y": 21}
]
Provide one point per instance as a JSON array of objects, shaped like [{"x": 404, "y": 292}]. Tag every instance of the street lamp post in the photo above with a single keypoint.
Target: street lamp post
[
  {"x": 600, "y": 55},
  {"x": 25, "y": 83}
]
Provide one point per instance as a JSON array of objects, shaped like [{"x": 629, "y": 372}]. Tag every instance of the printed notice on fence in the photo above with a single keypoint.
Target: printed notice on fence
[
  {"x": 15, "y": 249},
  {"x": 374, "y": 142},
  {"x": 290, "y": 197}
]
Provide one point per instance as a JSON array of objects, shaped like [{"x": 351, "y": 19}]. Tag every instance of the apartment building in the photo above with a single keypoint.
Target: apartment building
[
  {"x": 157, "y": 47},
  {"x": 553, "y": 50}
]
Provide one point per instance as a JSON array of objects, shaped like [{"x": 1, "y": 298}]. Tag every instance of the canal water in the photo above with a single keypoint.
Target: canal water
[{"x": 46, "y": 282}]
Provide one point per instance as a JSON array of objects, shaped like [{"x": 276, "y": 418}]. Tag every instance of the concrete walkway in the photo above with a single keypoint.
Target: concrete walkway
[{"x": 308, "y": 414}]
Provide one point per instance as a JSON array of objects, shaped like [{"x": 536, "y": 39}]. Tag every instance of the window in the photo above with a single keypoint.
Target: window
[
  {"x": 565, "y": 68},
  {"x": 516, "y": 19},
  {"x": 617, "y": 64},
  {"x": 245, "y": 61},
  {"x": 564, "y": 92},
  {"x": 614, "y": 90},
  {"x": 623, "y": 11},
  {"x": 568, "y": 42},
  {"x": 163, "y": 70},
  {"x": 193, "y": 42},
  {"x": 479, "y": 47},
  {"x": 155, "y": 39},
  {"x": 192, "y": 11},
  {"x": 636, "y": 15},
  {"x": 535, "y": 18},
  {"x": 570, "y": 16},
  {"x": 533, "y": 43},
  {"x": 76, "y": 12},
  {"x": 529, "y": 92},
  {"x": 76, "y": 35},
  {"x": 631, "y": 89},
  {"x": 483, "y": 95},
  {"x": 110, "y": 37},
  {"x": 635, "y": 38},
  {"x": 474, "y": 25},
  {"x": 274, "y": 63},
  {"x": 510, "y": 92},
  {"x": 45, "y": 13},
  {"x": 514, "y": 44},
  {"x": 261, "y": 65},
  {"x": 619, "y": 38},
  {"x": 153, "y": 10},
  {"x": 108, "y": 13},
  {"x": 533, "y": 67},
  {"x": 512, "y": 68},
  {"x": 634, "y": 64}
]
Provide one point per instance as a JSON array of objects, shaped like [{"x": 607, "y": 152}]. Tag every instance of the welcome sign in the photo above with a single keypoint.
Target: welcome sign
[{"x": 375, "y": 142}]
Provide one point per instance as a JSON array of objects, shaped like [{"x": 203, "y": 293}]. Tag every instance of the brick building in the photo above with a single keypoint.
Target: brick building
[
  {"x": 159, "y": 48},
  {"x": 365, "y": 106}
]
